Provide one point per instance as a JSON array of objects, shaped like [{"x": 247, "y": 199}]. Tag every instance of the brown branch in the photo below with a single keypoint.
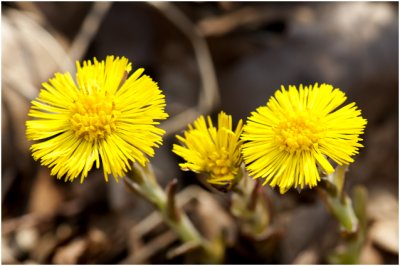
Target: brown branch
[{"x": 209, "y": 94}]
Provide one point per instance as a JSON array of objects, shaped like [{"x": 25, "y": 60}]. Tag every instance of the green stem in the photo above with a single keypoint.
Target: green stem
[
  {"x": 143, "y": 181},
  {"x": 250, "y": 206},
  {"x": 354, "y": 243},
  {"x": 338, "y": 203},
  {"x": 182, "y": 226},
  {"x": 343, "y": 210}
]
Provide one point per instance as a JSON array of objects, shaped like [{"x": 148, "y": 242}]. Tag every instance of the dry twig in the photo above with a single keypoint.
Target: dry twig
[
  {"x": 209, "y": 95},
  {"x": 89, "y": 29}
]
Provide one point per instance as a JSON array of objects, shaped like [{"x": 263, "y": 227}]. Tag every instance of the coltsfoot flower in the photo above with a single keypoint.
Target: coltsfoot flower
[
  {"x": 105, "y": 117},
  {"x": 289, "y": 141},
  {"x": 214, "y": 152}
]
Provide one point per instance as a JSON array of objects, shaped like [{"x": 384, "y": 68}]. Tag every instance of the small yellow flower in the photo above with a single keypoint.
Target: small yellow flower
[
  {"x": 215, "y": 152},
  {"x": 289, "y": 140},
  {"x": 105, "y": 118}
]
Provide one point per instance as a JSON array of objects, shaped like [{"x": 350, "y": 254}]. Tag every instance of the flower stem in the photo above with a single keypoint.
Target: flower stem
[
  {"x": 351, "y": 215},
  {"x": 142, "y": 180},
  {"x": 250, "y": 206},
  {"x": 351, "y": 251},
  {"x": 336, "y": 200}
]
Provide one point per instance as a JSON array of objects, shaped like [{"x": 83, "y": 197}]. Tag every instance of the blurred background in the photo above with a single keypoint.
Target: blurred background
[{"x": 206, "y": 57}]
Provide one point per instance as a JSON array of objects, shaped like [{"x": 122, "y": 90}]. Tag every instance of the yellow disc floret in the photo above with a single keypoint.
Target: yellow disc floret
[
  {"x": 218, "y": 163},
  {"x": 297, "y": 133},
  {"x": 93, "y": 117}
]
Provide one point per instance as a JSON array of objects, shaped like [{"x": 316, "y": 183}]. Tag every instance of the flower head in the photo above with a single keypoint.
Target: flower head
[
  {"x": 291, "y": 138},
  {"x": 105, "y": 117},
  {"x": 215, "y": 152}
]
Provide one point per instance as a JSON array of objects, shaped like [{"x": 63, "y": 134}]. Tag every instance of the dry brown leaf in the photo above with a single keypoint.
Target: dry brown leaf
[
  {"x": 46, "y": 197},
  {"x": 382, "y": 205},
  {"x": 27, "y": 238},
  {"x": 369, "y": 255},
  {"x": 385, "y": 234},
  {"x": 71, "y": 253},
  {"x": 308, "y": 256}
]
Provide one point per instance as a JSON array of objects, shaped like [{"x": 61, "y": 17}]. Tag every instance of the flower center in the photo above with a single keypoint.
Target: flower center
[
  {"x": 298, "y": 133},
  {"x": 218, "y": 163},
  {"x": 93, "y": 116}
]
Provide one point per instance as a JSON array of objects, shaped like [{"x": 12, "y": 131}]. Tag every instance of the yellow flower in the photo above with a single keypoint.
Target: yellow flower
[
  {"x": 105, "y": 118},
  {"x": 215, "y": 152},
  {"x": 289, "y": 140}
]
